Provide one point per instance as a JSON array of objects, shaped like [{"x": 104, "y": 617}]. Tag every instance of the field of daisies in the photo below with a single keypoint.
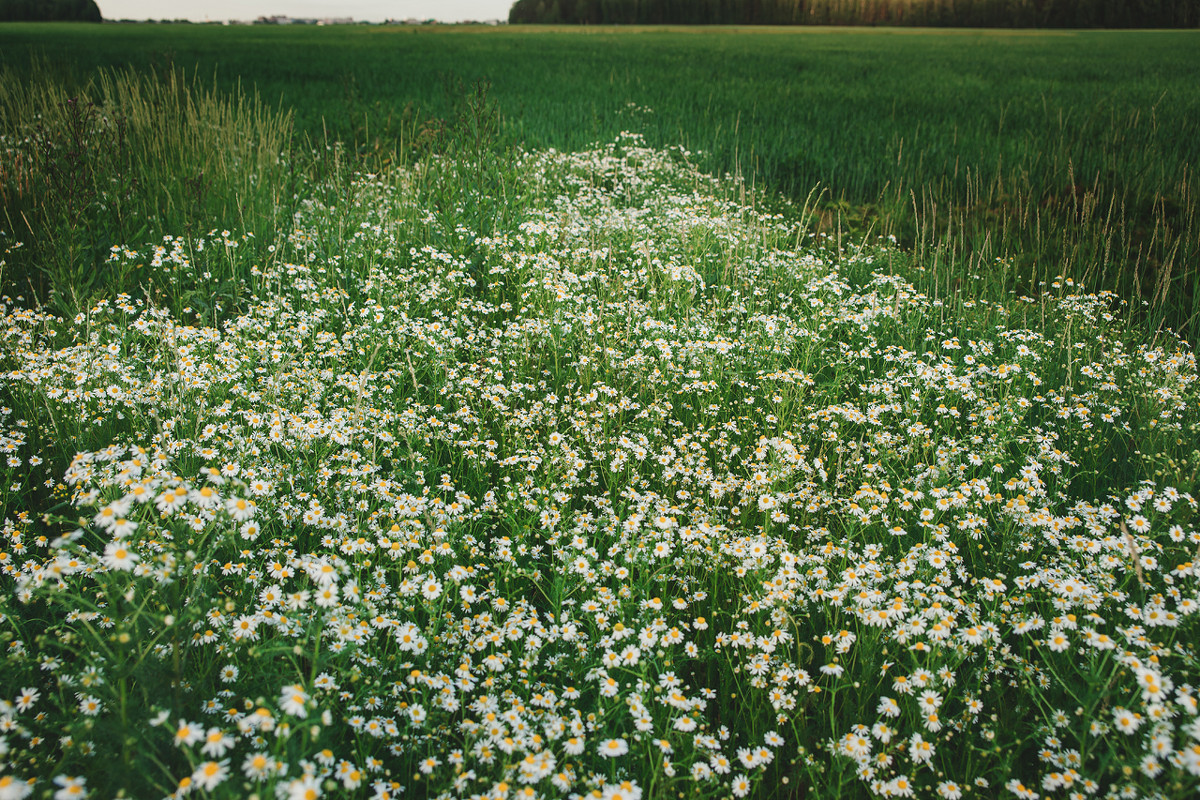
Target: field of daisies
[{"x": 643, "y": 492}]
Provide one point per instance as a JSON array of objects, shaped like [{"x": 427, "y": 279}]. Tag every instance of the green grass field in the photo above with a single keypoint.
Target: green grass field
[
  {"x": 470, "y": 459},
  {"x": 1061, "y": 152}
]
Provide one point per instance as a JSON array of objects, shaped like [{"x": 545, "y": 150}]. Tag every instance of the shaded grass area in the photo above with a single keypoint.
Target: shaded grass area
[
  {"x": 1020, "y": 156},
  {"x": 125, "y": 159}
]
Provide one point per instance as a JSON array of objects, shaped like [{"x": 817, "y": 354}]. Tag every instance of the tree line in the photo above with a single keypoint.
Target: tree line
[
  {"x": 934, "y": 13},
  {"x": 49, "y": 11}
]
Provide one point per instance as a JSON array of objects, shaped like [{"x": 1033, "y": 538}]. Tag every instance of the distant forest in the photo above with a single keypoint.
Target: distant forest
[
  {"x": 49, "y": 11},
  {"x": 933, "y": 13}
]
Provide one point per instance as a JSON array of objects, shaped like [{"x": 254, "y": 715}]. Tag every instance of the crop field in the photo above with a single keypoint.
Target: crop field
[{"x": 647, "y": 414}]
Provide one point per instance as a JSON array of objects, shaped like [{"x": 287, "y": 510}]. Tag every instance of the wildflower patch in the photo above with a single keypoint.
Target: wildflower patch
[{"x": 652, "y": 495}]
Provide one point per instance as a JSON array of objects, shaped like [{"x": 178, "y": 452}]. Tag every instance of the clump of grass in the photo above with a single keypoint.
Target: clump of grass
[
  {"x": 1011, "y": 233},
  {"x": 126, "y": 158}
]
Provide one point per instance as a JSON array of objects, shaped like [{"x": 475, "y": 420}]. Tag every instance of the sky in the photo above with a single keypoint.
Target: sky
[{"x": 365, "y": 10}]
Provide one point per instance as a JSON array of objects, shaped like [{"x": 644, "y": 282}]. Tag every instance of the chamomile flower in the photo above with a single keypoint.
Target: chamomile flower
[
  {"x": 613, "y": 748},
  {"x": 119, "y": 557},
  {"x": 70, "y": 788},
  {"x": 187, "y": 733},
  {"x": 12, "y": 788},
  {"x": 210, "y": 774}
]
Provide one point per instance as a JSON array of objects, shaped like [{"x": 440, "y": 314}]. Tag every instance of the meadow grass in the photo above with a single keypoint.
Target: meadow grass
[
  {"x": 641, "y": 492},
  {"x": 124, "y": 158},
  {"x": 1047, "y": 152},
  {"x": 517, "y": 472}
]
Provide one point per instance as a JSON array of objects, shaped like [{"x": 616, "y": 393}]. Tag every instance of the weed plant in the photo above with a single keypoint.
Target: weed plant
[{"x": 532, "y": 474}]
